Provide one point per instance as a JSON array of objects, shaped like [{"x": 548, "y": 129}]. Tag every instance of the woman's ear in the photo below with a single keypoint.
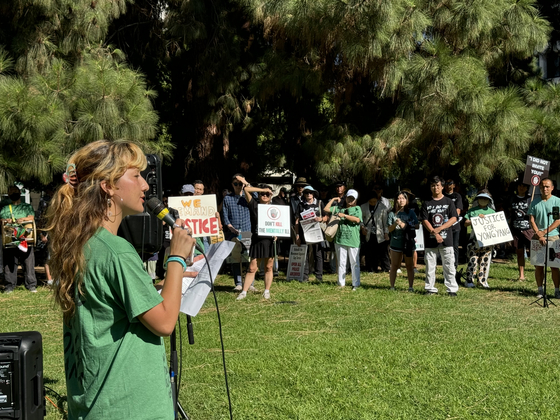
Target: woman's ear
[{"x": 105, "y": 187}]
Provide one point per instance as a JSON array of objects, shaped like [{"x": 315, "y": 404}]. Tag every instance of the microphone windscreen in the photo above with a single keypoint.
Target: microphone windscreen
[{"x": 154, "y": 205}]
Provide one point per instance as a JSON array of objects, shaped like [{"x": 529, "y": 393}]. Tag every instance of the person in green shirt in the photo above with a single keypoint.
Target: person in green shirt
[
  {"x": 479, "y": 258},
  {"x": 347, "y": 239},
  {"x": 18, "y": 214},
  {"x": 114, "y": 318}
]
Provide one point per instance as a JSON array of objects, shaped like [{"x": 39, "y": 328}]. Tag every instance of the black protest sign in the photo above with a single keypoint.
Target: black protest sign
[{"x": 535, "y": 170}]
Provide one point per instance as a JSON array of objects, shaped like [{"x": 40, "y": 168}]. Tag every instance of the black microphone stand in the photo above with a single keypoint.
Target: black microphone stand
[{"x": 545, "y": 299}]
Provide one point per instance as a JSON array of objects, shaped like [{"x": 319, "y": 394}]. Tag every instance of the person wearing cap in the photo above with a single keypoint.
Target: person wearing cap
[
  {"x": 376, "y": 234},
  {"x": 311, "y": 202},
  {"x": 539, "y": 212},
  {"x": 456, "y": 228},
  {"x": 347, "y": 239},
  {"x": 518, "y": 209},
  {"x": 187, "y": 190},
  {"x": 237, "y": 219},
  {"x": 297, "y": 194},
  {"x": 479, "y": 258},
  {"x": 438, "y": 215},
  {"x": 340, "y": 193}
]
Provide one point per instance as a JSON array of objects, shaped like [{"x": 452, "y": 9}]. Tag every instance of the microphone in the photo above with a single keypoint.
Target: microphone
[{"x": 158, "y": 209}]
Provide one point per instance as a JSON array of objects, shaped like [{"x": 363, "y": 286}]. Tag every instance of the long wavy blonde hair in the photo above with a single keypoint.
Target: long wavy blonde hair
[{"x": 78, "y": 209}]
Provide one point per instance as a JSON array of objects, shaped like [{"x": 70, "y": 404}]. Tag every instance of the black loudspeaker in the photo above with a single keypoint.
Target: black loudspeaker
[
  {"x": 145, "y": 231},
  {"x": 21, "y": 376}
]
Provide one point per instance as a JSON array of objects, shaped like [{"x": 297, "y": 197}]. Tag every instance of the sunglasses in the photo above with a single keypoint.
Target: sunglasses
[
  {"x": 237, "y": 184},
  {"x": 265, "y": 194},
  {"x": 307, "y": 192}
]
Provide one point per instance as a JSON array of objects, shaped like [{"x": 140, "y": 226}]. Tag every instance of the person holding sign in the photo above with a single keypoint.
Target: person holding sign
[
  {"x": 347, "y": 239},
  {"x": 478, "y": 258},
  {"x": 402, "y": 222},
  {"x": 262, "y": 247},
  {"x": 539, "y": 212},
  {"x": 310, "y": 210}
]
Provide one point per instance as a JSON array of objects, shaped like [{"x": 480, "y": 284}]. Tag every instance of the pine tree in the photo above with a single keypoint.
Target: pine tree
[
  {"x": 61, "y": 88},
  {"x": 423, "y": 83}
]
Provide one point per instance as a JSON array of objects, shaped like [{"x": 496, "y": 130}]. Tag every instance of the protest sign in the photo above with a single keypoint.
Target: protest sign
[
  {"x": 296, "y": 263},
  {"x": 535, "y": 170},
  {"x": 274, "y": 221},
  {"x": 492, "y": 229},
  {"x": 311, "y": 228},
  {"x": 198, "y": 212},
  {"x": 538, "y": 253},
  {"x": 419, "y": 238}
]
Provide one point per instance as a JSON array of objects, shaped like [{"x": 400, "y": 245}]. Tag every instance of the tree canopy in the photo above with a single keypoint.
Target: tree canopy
[{"x": 352, "y": 89}]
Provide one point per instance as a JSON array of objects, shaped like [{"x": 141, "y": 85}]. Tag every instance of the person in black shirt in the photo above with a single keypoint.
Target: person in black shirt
[
  {"x": 438, "y": 214},
  {"x": 311, "y": 201},
  {"x": 517, "y": 209},
  {"x": 262, "y": 247},
  {"x": 456, "y": 228}
]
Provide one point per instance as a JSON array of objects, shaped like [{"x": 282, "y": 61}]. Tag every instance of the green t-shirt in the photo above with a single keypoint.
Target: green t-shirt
[
  {"x": 539, "y": 210},
  {"x": 115, "y": 367},
  {"x": 477, "y": 211},
  {"x": 348, "y": 233},
  {"x": 19, "y": 211}
]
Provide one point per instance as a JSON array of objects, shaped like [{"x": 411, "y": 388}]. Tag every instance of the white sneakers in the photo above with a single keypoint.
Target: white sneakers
[{"x": 243, "y": 295}]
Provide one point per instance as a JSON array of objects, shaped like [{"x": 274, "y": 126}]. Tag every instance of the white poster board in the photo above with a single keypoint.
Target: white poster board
[
  {"x": 311, "y": 228},
  {"x": 492, "y": 229},
  {"x": 274, "y": 220},
  {"x": 198, "y": 212},
  {"x": 538, "y": 253},
  {"x": 296, "y": 263},
  {"x": 195, "y": 290},
  {"x": 419, "y": 238}
]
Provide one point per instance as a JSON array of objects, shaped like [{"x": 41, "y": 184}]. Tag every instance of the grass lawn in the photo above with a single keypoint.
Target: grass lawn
[{"x": 318, "y": 352}]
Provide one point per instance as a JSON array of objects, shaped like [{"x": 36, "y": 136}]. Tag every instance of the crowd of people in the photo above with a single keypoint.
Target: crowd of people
[
  {"x": 375, "y": 234},
  {"x": 112, "y": 309},
  {"x": 383, "y": 232}
]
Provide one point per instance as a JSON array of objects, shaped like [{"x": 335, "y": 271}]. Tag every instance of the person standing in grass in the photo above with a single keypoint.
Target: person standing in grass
[
  {"x": 21, "y": 215},
  {"x": 114, "y": 319},
  {"x": 311, "y": 202},
  {"x": 376, "y": 234},
  {"x": 438, "y": 214},
  {"x": 262, "y": 247},
  {"x": 456, "y": 228},
  {"x": 402, "y": 223},
  {"x": 347, "y": 239},
  {"x": 479, "y": 258},
  {"x": 521, "y": 231},
  {"x": 540, "y": 223}
]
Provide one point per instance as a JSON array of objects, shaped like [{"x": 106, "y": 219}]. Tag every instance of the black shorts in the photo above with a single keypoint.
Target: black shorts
[
  {"x": 520, "y": 241},
  {"x": 409, "y": 248}
]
